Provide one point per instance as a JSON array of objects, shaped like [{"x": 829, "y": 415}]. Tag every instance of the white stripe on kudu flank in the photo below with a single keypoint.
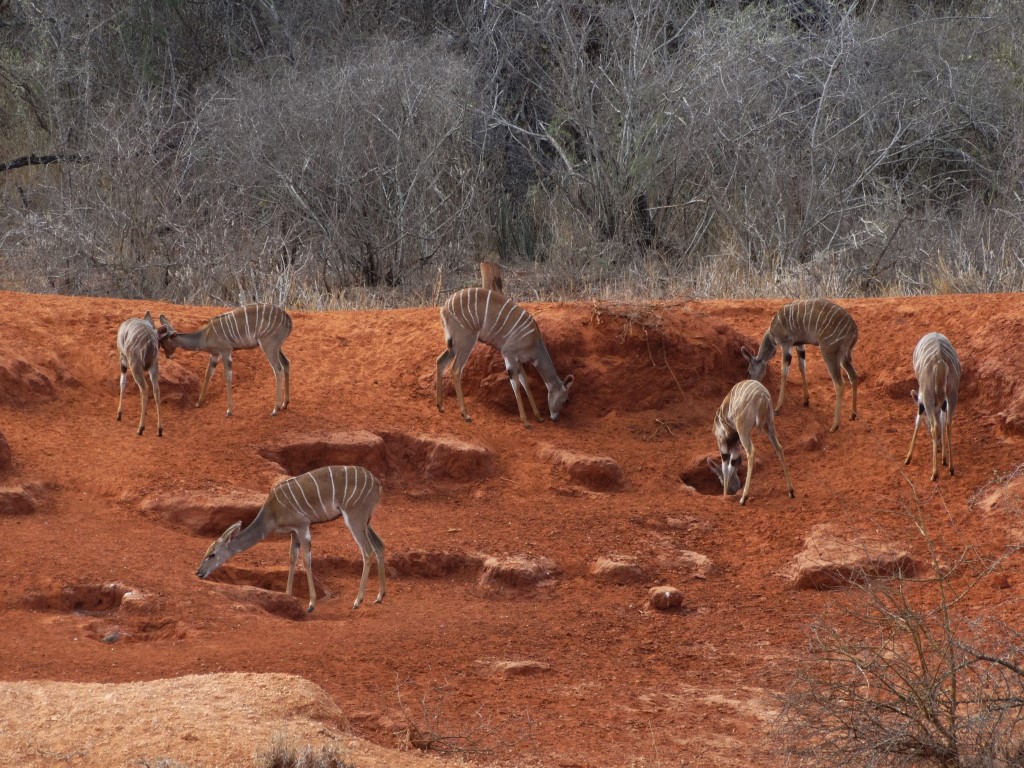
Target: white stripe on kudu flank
[
  {"x": 813, "y": 321},
  {"x": 476, "y": 314},
  {"x": 137, "y": 350},
  {"x": 289, "y": 509},
  {"x": 254, "y": 325},
  {"x": 937, "y": 368}
]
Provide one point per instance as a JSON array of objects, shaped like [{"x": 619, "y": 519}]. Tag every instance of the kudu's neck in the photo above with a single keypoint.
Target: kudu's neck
[
  {"x": 767, "y": 349},
  {"x": 545, "y": 367},
  {"x": 193, "y": 342},
  {"x": 252, "y": 534}
]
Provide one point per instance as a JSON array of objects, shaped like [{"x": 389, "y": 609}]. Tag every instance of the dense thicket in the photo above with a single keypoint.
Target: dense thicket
[{"x": 316, "y": 152}]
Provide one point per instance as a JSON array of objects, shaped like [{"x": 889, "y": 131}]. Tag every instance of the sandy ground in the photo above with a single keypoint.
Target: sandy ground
[{"x": 103, "y": 529}]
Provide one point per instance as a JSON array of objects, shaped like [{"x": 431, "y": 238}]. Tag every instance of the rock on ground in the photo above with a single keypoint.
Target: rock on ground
[
  {"x": 832, "y": 559},
  {"x": 597, "y": 473}
]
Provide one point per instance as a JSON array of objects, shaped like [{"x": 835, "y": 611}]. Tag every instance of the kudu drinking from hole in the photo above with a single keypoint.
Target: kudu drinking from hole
[
  {"x": 747, "y": 406},
  {"x": 137, "y": 349},
  {"x": 474, "y": 314},
  {"x": 938, "y": 380},
  {"x": 254, "y": 325},
  {"x": 813, "y": 321},
  {"x": 293, "y": 505}
]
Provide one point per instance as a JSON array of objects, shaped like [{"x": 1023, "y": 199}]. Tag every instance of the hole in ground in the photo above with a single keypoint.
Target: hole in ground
[
  {"x": 88, "y": 599},
  {"x": 704, "y": 480}
]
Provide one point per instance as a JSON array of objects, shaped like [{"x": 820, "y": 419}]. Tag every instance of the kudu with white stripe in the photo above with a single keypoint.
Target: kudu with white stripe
[
  {"x": 937, "y": 368},
  {"x": 811, "y": 321},
  {"x": 295, "y": 504},
  {"x": 138, "y": 350},
  {"x": 747, "y": 406},
  {"x": 474, "y": 314},
  {"x": 254, "y": 325}
]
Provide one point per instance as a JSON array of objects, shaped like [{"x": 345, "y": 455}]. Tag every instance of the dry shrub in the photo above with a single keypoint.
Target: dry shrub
[{"x": 904, "y": 674}]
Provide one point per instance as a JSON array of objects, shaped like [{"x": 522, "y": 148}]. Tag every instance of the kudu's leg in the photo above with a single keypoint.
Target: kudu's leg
[
  {"x": 787, "y": 358},
  {"x": 515, "y": 371},
  {"x": 120, "y": 399},
  {"x": 214, "y": 359},
  {"x": 948, "y": 420},
  {"x": 529, "y": 394},
  {"x": 917, "y": 424},
  {"x": 460, "y": 361},
  {"x": 443, "y": 361},
  {"x": 832, "y": 365},
  {"x": 140, "y": 380},
  {"x": 274, "y": 358},
  {"x": 293, "y": 551},
  {"x": 848, "y": 367},
  {"x": 154, "y": 377},
  {"x": 370, "y": 546},
  {"x": 933, "y": 429},
  {"x": 378, "y": 549},
  {"x": 286, "y": 365},
  {"x": 227, "y": 379},
  {"x": 748, "y": 446},
  {"x": 307, "y": 561},
  {"x": 801, "y": 359},
  {"x": 770, "y": 430}
]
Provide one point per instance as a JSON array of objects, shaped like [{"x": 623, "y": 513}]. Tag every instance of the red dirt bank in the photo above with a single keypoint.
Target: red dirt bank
[{"x": 615, "y": 682}]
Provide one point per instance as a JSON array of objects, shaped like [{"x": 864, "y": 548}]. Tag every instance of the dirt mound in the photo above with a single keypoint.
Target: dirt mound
[{"x": 223, "y": 719}]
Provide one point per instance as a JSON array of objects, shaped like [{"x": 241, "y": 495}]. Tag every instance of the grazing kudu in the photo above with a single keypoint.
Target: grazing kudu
[
  {"x": 474, "y": 314},
  {"x": 137, "y": 349},
  {"x": 747, "y": 406},
  {"x": 254, "y": 325},
  {"x": 293, "y": 506},
  {"x": 812, "y": 321},
  {"x": 937, "y": 368}
]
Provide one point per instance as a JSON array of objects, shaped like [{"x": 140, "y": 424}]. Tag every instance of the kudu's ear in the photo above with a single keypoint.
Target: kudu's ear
[
  {"x": 230, "y": 533},
  {"x": 149, "y": 317},
  {"x": 913, "y": 395},
  {"x": 715, "y": 467},
  {"x": 568, "y": 382},
  {"x": 749, "y": 355}
]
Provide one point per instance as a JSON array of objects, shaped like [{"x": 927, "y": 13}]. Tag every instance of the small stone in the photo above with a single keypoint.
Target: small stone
[
  {"x": 520, "y": 668},
  {"x": 665, "y": 597}
]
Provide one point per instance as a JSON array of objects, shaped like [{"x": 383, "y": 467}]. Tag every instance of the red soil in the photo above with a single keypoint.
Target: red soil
[{"x": 613, "y": 680}]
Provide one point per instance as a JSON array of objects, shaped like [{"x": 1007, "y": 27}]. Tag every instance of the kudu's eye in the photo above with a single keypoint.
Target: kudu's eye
[
  {"x": 725, "y": 458},
  {"x": 737, "y": 460}
]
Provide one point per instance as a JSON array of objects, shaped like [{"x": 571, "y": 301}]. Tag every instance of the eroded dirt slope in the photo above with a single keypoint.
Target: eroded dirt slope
[{"x": 103, "y": 530}]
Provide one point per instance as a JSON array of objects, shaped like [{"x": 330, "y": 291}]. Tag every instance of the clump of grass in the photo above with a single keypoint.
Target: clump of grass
[{"x": 283, "y": 754}]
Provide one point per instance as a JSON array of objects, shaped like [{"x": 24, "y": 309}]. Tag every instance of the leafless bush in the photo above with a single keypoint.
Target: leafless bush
[
  {"x": 905, "y": 675},
  {"x": 352, "y": 174},
  {"x": 312, "y": 154}
]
